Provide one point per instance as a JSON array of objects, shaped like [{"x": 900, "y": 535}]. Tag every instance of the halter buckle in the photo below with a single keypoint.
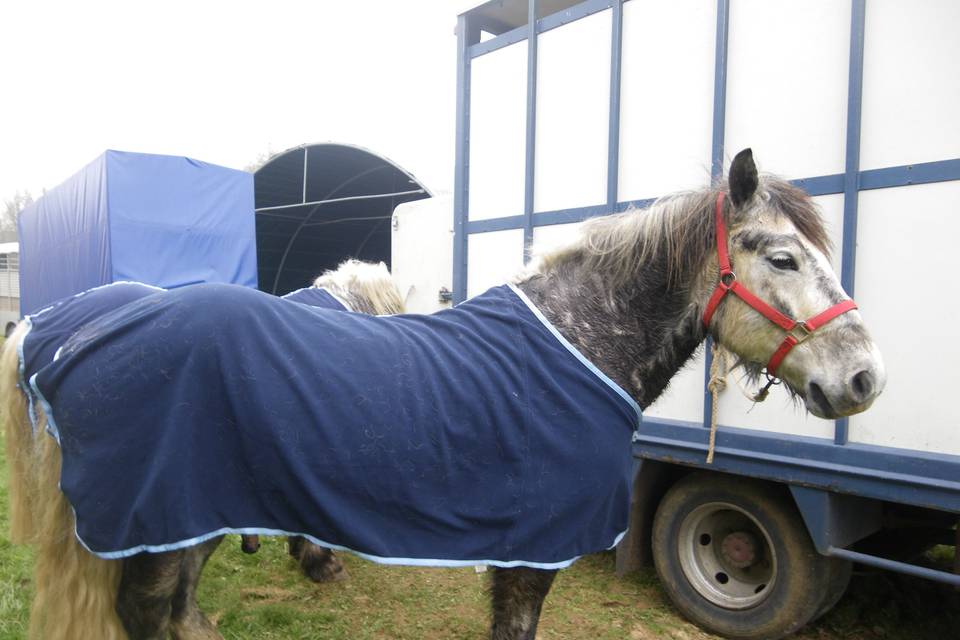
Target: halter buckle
[
  {"x": 727, "y": 279},
  {"x": 800, "y": 332}
]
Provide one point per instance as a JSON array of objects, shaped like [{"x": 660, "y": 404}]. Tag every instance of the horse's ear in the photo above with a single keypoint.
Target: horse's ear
[{"x": 743, "y": 177}]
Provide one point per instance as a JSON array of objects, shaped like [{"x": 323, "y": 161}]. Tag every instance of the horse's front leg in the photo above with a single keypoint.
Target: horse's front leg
[
  {"x": 518, "y": 595},
  {"x": 187, "y": 621}
]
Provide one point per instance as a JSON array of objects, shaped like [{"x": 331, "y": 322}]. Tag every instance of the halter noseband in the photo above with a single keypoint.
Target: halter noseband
[{"x": 797, "y": 330}]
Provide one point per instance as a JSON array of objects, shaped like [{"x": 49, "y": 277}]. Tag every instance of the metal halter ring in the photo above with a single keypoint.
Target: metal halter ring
[{"x": 800, "y": 332}]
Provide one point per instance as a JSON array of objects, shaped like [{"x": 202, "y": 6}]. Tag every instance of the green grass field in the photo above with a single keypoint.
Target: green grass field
[{"x": 263, "y": 597}]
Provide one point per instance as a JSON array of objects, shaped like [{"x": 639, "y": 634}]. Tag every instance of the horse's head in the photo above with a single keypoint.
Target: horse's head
[{"x": 778, "y": 251}]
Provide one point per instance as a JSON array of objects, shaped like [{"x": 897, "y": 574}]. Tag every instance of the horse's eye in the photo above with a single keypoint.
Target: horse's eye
[{"x": 783, "y": 261}]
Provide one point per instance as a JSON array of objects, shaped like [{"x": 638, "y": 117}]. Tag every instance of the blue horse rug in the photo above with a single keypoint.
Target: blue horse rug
[
  {"x": 51, "y": 326},
  {"x": 317, "y": 297},
  {"x": 476, "y": 435}
]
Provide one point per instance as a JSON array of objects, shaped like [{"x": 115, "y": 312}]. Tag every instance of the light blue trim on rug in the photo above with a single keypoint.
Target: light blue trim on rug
[
  {"x": 259, "y": 531},
  {"x": 47, "y": 409},
  {"x": 572, "y": 349}
]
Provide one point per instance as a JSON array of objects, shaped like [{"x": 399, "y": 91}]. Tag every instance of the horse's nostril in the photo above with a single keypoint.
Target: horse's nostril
[
  {"x": 816, "y": 394},
  {"x": 862, "y": 385}
]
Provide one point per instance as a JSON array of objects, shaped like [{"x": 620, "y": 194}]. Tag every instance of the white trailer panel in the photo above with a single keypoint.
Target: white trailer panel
[
  {"x": 497, "y": 133},
  {"x": 666, "y": 97},
  {"x": 498, "y": 256},
  {"x": 911, "y": 91},
  {"x": 573, "y": 82},
  {"x": 906, "y": 286},
  {"x": 787, "y": 84}
]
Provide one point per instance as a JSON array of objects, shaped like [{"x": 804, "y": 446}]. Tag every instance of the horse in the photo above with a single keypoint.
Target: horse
[
  {"x": 621, "y": 309},
  {"x": 38, "y": 512}
]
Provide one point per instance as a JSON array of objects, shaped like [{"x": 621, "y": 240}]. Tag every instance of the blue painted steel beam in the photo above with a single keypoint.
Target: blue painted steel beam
[
  {"x": 613, "y": 135},
  {"x": 852, "y": 170},
  {"x": 894, "y": 565},
  {"x": 574, "y": 13},
  {"x": 885, "y": 178},
  {"x": 529, "y": 176},
  {"x": 884, "y": 473},
  {"x": 503, "y": 40},
  {"x": 720, "y": 89},
  {"x": 545, "y": 24},
  {"x": 716, "y": 157},
  {"x": 920, "y": 173},
  {"x": 559, "y": 216},
  {"x": 836, "y": 519},
  {"x": 821, "y": 185},
  {"x": 467, "y": 34}
]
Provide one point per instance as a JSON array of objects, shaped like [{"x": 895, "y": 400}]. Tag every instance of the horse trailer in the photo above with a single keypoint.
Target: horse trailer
[{"x": 568, "y": 110}]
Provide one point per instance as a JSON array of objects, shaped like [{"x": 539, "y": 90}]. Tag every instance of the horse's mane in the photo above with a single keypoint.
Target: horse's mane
[
  {"x": 367, "y": 286},
  {"x": 676, "y": 231}
]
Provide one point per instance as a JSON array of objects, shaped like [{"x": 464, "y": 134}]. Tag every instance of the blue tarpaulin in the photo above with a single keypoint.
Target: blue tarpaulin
[{"x": 168, "y": 221}]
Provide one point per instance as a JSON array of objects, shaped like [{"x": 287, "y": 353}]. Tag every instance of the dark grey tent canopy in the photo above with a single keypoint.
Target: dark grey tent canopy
[{"x": 319, "y": 204}]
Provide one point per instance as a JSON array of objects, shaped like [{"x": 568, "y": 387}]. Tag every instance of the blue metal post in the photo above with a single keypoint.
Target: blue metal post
[
  {"x": 851, "y": 175},
  {"x": 716, "y": 155},
  {"x": 467, "y": 35},
  {"x": 613, "y": 139},
  {"x": 529, "y": 169}
]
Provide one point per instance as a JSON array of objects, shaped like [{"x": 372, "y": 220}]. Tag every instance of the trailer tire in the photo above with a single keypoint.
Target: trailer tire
[
  {"x": 840, "y": 573},
  {"x": 735, "y": 558}
]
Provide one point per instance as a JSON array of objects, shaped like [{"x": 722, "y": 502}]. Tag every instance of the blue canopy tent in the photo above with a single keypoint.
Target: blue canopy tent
[{"x": 168, "y": 221}]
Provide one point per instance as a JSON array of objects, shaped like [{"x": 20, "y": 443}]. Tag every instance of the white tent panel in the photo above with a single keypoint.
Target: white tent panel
[
  {"x": 906, "y": 284},
  {"x": 666, "y": 97},
  {"x": 573, "y": 105},
  {"x": 787, "y": 73},
  {"x": 497, "y": 133},
  {"x": 911, "y": 85}
]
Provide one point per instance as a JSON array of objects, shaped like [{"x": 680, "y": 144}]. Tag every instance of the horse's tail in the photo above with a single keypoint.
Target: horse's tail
[
  {"x": 19, "y": 440},
  {"x": 367, "y": 286},
  {"x": 75, "y": 591}
]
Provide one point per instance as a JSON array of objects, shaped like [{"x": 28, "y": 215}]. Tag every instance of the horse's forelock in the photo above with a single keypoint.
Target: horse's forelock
[{"x": 794, "y": 203}]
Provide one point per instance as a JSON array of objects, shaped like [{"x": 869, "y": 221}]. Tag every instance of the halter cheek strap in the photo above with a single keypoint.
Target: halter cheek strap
[{"x": 797, "y": 330}]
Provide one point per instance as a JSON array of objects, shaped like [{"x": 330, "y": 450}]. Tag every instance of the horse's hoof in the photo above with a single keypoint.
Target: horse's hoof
[{"x": 327, "y": 570}]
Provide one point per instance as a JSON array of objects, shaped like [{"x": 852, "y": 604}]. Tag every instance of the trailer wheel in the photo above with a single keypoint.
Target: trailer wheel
[
  {"x": 840, "y": 573},
  {"x": 735, "y": 558}
]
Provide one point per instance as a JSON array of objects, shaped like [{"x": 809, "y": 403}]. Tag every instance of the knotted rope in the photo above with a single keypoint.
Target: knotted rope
[{"x": 718, "y": 384}]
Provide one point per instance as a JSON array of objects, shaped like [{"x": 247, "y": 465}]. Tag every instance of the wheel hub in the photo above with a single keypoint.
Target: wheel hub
[
  {"x": 739, "y": 549},
  {"x": 726, "y": 555}
]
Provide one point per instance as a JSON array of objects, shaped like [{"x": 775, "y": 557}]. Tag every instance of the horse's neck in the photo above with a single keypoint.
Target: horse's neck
[{"x": 639, "y": 338}]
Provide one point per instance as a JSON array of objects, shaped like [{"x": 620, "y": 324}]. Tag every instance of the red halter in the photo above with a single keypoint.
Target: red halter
[{"x": 797, "y": 330}]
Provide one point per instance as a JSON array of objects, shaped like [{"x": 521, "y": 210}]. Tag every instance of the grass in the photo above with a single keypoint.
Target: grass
[{"x": 264, "y": 597}]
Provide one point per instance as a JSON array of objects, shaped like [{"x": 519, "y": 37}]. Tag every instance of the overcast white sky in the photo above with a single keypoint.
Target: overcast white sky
[{"x": 224, "y": 81}]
